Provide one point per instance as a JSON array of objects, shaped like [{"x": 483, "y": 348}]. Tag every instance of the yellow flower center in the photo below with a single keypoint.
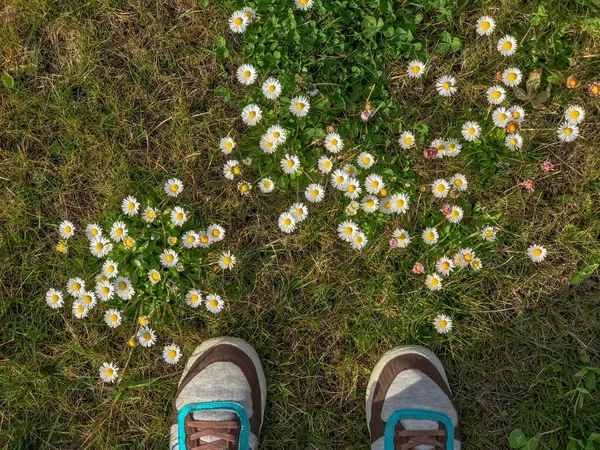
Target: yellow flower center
[
  {"x": 383, "y": 192},
  {"x": 314, "y": 193},
  {"x": 94, "y": 232},
  {"x": 76, "y": 286},
  {"x": 334, "y": 142},
  {"x": 507, "y": 45},
  {"x": 401, "y": 237},
  {"x": 430, "y": 236},
  {"x": 516, "y": 114},
  {"x": 441, "y": 188},
  {"x": 204, "y": 239},
  {"x": 105, "y": 290},
  {"x": 537, "y": 252},
  {"x": 287, "y": 222},
  {"x": 400, "y": 203},
  {"x": 271, "y": 88},
  {"x": 191, "y": 239},
  {"x": 227, "y": 260},
  {"x": 471, "y": 130},
  {"x": 290, "y": 163},
  {"x": 416, "y": 69},
  {"x": 194, "y": 298},
  {"x": 238, "y": 21},
  {"x": 458, "y": 182},
  {"x": 155, "y": 276},
  {"x": 513, "y": 142},
  {"x": 568, "y": 131},
  {"x": 174, "y": 188},
  {"x": 512, "y": 76},
  {"x": 247, "y": 74},
  {"x": 151, "y": 214},
  {"x": 122, "y": 285},
  {"x": 129, "y": 242},
  {"x": 276, "y": 134},
  {"x": 340, "y": 179},
  {"x": 502, "y": 117},
  {"x": 468, "y": 257},
  {"x": 445, "y": 265},
  {"x": 172, "y": 354},
  {"x": 485, "y": 26},
  {"x": 99, "y": 246},
  {"x": 172, "y": 240},
  {"x": 244, "y": 188},
  {"x": 109, "y": 372},
  {"x": 595, "y": 90},
  {"x": 119, "y": 231},
  {"x": 267, "y": 184},
  {"x": 327, "y": 164},
  {"x": 110, "y": 269},
  {"x": 489, "y": 234},
  {"x": 80, "y": 308},
  {"x": 434, "y": 282},
  {"x": 371, "y": 203},
  {"x": 113, "y": 318},
  {"x": 55, "y": 298},
  {"x": 454, "y": 214},
  {"x": 179, "y": 216},
  {"x": 236, "y": 170},
  {"x": 358, "y": 239},
  {"x": 142, "y": 320},
  {"x": 443, "y": 324},
  {"x": 408, "y": 140},
  {"x": 575, "y": 114},
  {"x": 169, "y": 258},
  {"x": 229, "y": 145},
  {"x": 299, "y": 212},
  {"x": 67, "y": 229},
  {"x": 446, "y": 85},
  {"x": 147, "y": 336},
  {"x": 387, "y": 205},
  {"x": 215, "y": 303},
  {"x": 268, "y": 144},
  {"x": 351, "y": 188},
  {"x": 300, "y": 106},
  {"x": 131, "y": 206},
  {"x": 252, "y": 114},
  {"x": 375, "y": 184},
  {"x": 496, "y": 94},
  {"x": 61, "y": 247},
  {"x": 349, "y": 230}
]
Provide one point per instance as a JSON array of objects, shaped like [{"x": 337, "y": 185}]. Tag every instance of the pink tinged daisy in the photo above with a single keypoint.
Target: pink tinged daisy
[
  {"x": 407, "y": 140},
  {"x": 418, "y": 269},
  {"x": 104, "y": 290},
  {"x": 300, "y": 106},
  {"x": 568, "y": 132},
  {"x": 374, "y": 184},
  {"x": 54, "y": 299},
  {"x": 547, "y": 166},
  {"x": 290, "y": 164},
  {"x": 271, "y": 88},
  {"x": 453, "y": 147},
  {"x": 507, "y": 46},
  {"x": 324, "y": 164},
  {"x": 365, "y": 160},
  {"x": 537, "y": 253},
  {"x": 574, "y": 114},
  {"x": 402, "y": 237},
  {"x": 109, "y": 372},
  {"x": 334, "y": 143},
  {"x": 246, "y": 74},
  {"x": 513, "y": 141},
  {"x": 227, "y": 260},
  {"x": 169, "y": 258},
  {"x": 216, "y": 232},
  {"x": 369, "y": 203},
  {"x": 299, "y": 212},
  {"x": 399, "y": 202},
  {"x": 338, "y": 179},
  {"x": 512, "y": 77},
  {"x": 471, "y": 131},
  {"x": 251, "y": 114},
  {"x": 433, "y": 282},
  {"x": 178, "y": 216},
  {"x": 130, "y": 206},
  {"x": 352, "y": 188},
  {"x": 190, "y": 239},
  {"x": 443, "y": 324},
  {"x": 485, "y": 26},
  {"x": 415, "y": 69},
  {"x": 495, "y": 95},
  {"x": 173, "y": 187},
  {"x": 459, "y": 182},
  {"x": 277, "y": 133},
  {"x": 266, "y": 185},
  {"x": 238, "y": 22},
  {"x": 446, "y": 85},
  {"x": 226, "y": 145},
  {"x": 347, "y": 230},
  {"x": 501, "y": 116},
  {"x": 430, "y": 236},
  {"x": 440, "y": 188},
  {"x": 517, "y": 114},
  {"x": 92, "y": 231},
  {"x": 304, "y": 5},
  {"x": 76, "y": 287},
  {"x": 359, "y": 241},
  {"x": 171, "y": 354},
  {"x": 214, "y": 303},
  {"x": 488, "y": 234},
  {"x": 286, "y": 222},
  {"x": 314, "y": 193},
  {"x": 146, "y": 337},
  {"x": 455, "y": 215},
  {"x": 444, "y": 266},
  {"x": 112, "y": 318},
  {"x": 79, "y": 310},
  {"x": 66, "y": 229},
  {"x": 193, "y": 298}
]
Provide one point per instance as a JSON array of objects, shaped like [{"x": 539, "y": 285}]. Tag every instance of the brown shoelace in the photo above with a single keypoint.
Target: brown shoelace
[
  {"x": 422, "y": 437},
  {"x": 225, "y": 432}
]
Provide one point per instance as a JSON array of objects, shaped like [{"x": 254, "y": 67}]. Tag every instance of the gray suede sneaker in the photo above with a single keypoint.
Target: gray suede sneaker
[
  {"x": 220, "y": 401},
  {"x": 409, "y": 403}
]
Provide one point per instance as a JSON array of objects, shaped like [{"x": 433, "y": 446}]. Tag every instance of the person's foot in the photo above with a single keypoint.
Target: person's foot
[
  {"x": 220, "y": 401},
  {"x": 409, "y": 403}
]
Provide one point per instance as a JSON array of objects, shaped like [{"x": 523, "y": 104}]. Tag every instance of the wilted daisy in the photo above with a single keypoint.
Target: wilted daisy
[
  {"x": 369, "y": 203},
  {"x": 266, "y": 185},
  {"x": 476, "y": 264},
  {"x": 226, "y": 145},
  {"x": 300, "y": 106},
  {"x": 190, "y": 239},
  {"x": 109, "y": 372},
  {"x": 251, "y": 114},
  {"x": 123, "y": 288},
  {"x": 149, "y": 214},
  {"x": 146, "y": 337},
  {"x": 467, "y": 255},
  {"x": 485, "y": 26},
  {"x": 430, "y": 236},
  {"x": 446, "y": 85},
  {"x": 512, "y": 77},
  {"x": 246, "y": 74},
  {"x": 79, "y": 310},
  {"x": 574, "y": 114},
  {"x": 193, "y": 298},
  {"x": 112, "y": 318},
  {"x": 455, "y": 215},
  {"x": 507, "y": 46},
  {"x": 359, "y": 240},
  {"x": 324, "y": 164},
  {"x": 537, "y": 253},
  {"x": 66, "y": 229},
  {"x": 227, "y": 260},
  {"x": 104, "y": 290},
  {"x": 402, "y": 237},
  {"x": 171, "y": 354},
  {"x": 338, "y": 179},
  {"x": 513, "y": 141},
  {"x": 178, "y": 216},
  {"x": 54, "y": 299},
  {"x": 271, "y": 88},
  {"x": 440, "y": 188},
  {"x": 75, "y": 287},
  {"x": 352, "y": 188},
  {"x": 169, "y": 258},
  {"x": 62, "y": 247},
  {"x": 453, "y": 147},
  {"x": 100, "y": 247},
  {"x": 444, "y": 266},
  {"x": 352, "y": 208},
  {"x": 277, "y": 134},
  {"x": 415, "y": 69},
  {"x": 517, "y": 113},
  {"x": 314, "y": 193},
  {"x": 216, "y": 232},
  {"x": 231, "y": 169},
  {"x": 93, "y": 230},
  {"x": 214, "y": 303},
  {"x": 290, "y": 164},
  {"x": 110, "y": 269},
  {"x": 471, "y": 131},
  {"x": 495, "y": 95},
  {"x": 433, "y": 282},
  {"x": 244, "y": 187},
  {"x": 286, "y": 222},
  {"x": 299, "y": 212},
  {"x": 238, "y": 22},
  {"x": 442, "y": 324},
  {"x": 130, "y": 206},
  {"x": 334, "y": 143},
  {"x": 347, "y": 230},
  {"x": 407, "y": 140},
  {"x": 374, "y": 183},
  {"x": 568, "y": 132},
  {"x": 501, "y": 116},
  {"x": 488, "y": 234},
  {"x": 154, "y": 276},
  {"x": 173, "y": 187}
]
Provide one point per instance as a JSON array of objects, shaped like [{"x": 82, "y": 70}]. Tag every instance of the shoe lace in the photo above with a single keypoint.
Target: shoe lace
[
  {"x": 414, "y": 438},
  {"x": 226, "y": 434}
]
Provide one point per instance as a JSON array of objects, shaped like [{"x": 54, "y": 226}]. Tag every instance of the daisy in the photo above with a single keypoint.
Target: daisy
[
  {"x": 193, "y": 298},
  {"x": 244, "y": 188},
  {"x": 537, "y": 253},
  {"x": 350, "y": 170},
  {"x": 271, "y": 88},
  {"x": 485, "y": 26},
  {"x": 286, "y": 222},
  {"x": 173, "y": 187},
  {"x": 415, "y": 69},
  {"x": 130, "y": 206},
  {"x": 79, "y": 310},
  {"x": 324, "y": 164},
  {"x": 347, "y": 230},
  {"x": 227, "y": 260},
  {"x": 226, "y": 145},
  {"x": 314, "y": 193},
  {"x": 446, "y": 85},
  {"x": 290, "y": 164},
  {"x": 444, "y": 266},
  {"x": 304, "y": 4},
  {"x": 386, "y": 206},
  {"x": 567, "y": 132},
  {"x": 100, "y": 247},
  {"x": 214, "y": 303},
  {"x": 453, "y": 147},
  {"x": 190, "y": 239},
  {"x": 178, "y": 216},
  {"x": 277, "y": 133},
  {"x": 352, "y": 208},
  {"x": 442, "y": 324},
  {"x": 169, "y": 258},
  {"x": 399, "y": 202},
  {"x": 149, "y": 214},
  {"x": 430, "y": 236},
  {"x": 250, "y": 13},
  {"x": 66, "y": 229},
  {"x": 299, "y": 212},
  {"x": 467, "y": 255},
  {"x": 266, "y": 185},
  {"x": 407, "y": 140},
  {"x": 300, "y": 105},
  {"x": 334, "y": 143},
  {"x": 54, "y": 299},
  {"x": 476, "y": 264},
  {"x": 110, "y": 269},
  {"x": 99, "y": 278},
  {"x": 455, "y": 215},
  {"x": 143, "y": 320},
  {"x": 154, "y": 276},
  {"x": 88, "y": 299},
  {"x": 433, "y": 282},
  {"x": 459, "y": 182},
  {"x": 92, "y": 231},
  {"x": 501, "y": 116},
  {"x": 352, "y": 188},
  {"x": 517, "y": 113},
  {"x": 574, "y": 114},
  {"x": 123, "y": 288},
  {"x": 104, "y": 290},
  {"x": 489, "y": 234},
  {"x": 216, "y": 232},
  {"x": 365, "y": 160},
  {"x": 440, "y": 147},
  {"x": 495, "y": 95},
  {"x": 547, "y": 166},
  {"x": 171, "y": 354},
  {"x": 118, "y": 231},
  {"x": 146, "y": 337},
  {"x": 358, "y": 241},
  {"x": 369, "y": 203},
  {"x": 594, "y": 89},
  {"x": 231, "y": 169},
  {"x": 338, "y": 179},
  {"x": 374, "y": 184},
  {"x": 246, "y": 74},
  {"x": 267, "y": 144},
  {"x": 112, "y": 318},
  {"x": 418, "y": 268},
  {"x": 440, "y": 188},
  {"x": 402, "y": 237},
  {"x": 75, "y": 287},
  {"x": 109, "y": 372},
  {"x": 512, "y": 77},
  {"x": 238, "y": 22},
  {"x": 62, "y": 247},
  {"x": 507, "y": 46},
  {"x": 251, "y": 114},
  {"x": 204, "y": 240},
  {"x": 471, "y": 131},
  {"x": 513, "y": 141}
]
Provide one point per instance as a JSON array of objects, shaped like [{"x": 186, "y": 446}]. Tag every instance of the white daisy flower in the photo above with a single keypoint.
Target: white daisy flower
[
  {"x": 300, "y": 105},
  {"x": 88, "y": 299},
  {"x": 99, "y": 278},
  {"x": 314, "y": 193},
  {"x": 154, "y": 276},
  {"x": 433, "y": 282},
  {"x": 130, "y": 206},
  {"x": 489, "y": 234},
  {"x": 407, "y": 140},
  {"x": 110, "y": 269},
  {"x": 238, "y": 22},
  {"x": 467, "y": 255},
  {"x": 227, "y": 260},
  {"x": 231, "y": 169},
  {"x": 338, "y": 179},
  {"x": 507, "y": 46},
  {"x": 277, "y": 133},
  {"x": 246, "y": 74},
  {"x": 365, "y": 160},
  {"x": 100, "y": 247},
  {"x": 112, "y": 318},
  {"x": 352, "y": 208},
  {"x": 178, "y": 216},
  {"x": 495, "y": 95},
  {"x": 537, "y": 253},
  {"x": 459, "y": 260},
  {"x": 92, "y": 231},
  {"x": 214, "y": 303},
  {"x": 244, "y": 188},
  {"x": 352, "y": 188},
  {"x": 574, "y": 114},
  {"x": 350, "y": 170},
  {"x": 216, "y": 232},
  {"x": 386, "y": 206},
  {"x": 512, "y": 77},
  {"x": 334, "y": 143},
  {"x": 485, "y": 26},
  {"x": 286, "y": 222},
  {"x": 471, "y": 131},
  {"x": 324, "y": 164},
  {"x": 290, "y": 164},
  {"x": 171, "y": 354},
  {"x": 358, "y": 241},
  {"x": 66, "y": 229},
  {"x": 299, "y": 212},
  {"x": 347, "y": 230},
  {"x": 173, "y": 187},
  {"x": 567, "y": 132},
  {"x": 75, "y": 287},
  {"x": 400, "y": 202},
  {"x": 374, "y": 183},
  {"x": 440, "y": 146},
  {"x": 442, "y": 324},
  {"x": 517, "y": 113},
  {"x": 226, "y": 145},
  {"x": 149, "y": 214},
  {"x": 444, "y": 266},
  {"x": 169, "y": 258},
  {"x": 250, "y": 13},
  {"x": 267, "y": 144},
  {"x": 271, "y": 88},
  {"x": 446, "y": 85},
  {"x": 501, "y": 116},
  {"x": 109, "y": 372},
  {"x": 266, "y": 185},
  {"x": 190, "y": 239},
  {"x": 459, "y": 182},
  {"x": 453, "y": 147},
  {"x": 369, "y": 203},
  {"x": 104, "y": 290},
  {"x": 476, "y": 264},
  {"x": 430, "y": 236},
  {"x": 415, "y": 69},
  {"x": 402, "y": 237},
  {"x": 118, "y": 231},
  {"x": 193, "y": 298},
  {"x": 251, "y": 114},
  {"x": 146, "y": 337},
  {"x": 440, "y": 188},
  {"x": 455, "y": 215},
  {"x": 79, "y": 310},
  {"x": 513, "y": 141},
  {"x": 54, "y": 299},
  {"x": 123, "y": 288},
  {"x": 304, "y": 4},
  {"x": 247, "y": 161}
]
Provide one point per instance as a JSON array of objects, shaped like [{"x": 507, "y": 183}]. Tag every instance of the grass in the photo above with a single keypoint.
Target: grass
[{"x": 121, "y": 97}]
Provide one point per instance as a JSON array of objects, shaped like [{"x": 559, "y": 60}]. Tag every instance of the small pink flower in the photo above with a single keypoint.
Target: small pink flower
[
  {"x": 365, "y": 115},
  {"x": 547, "y": 166},
  {"x": 418, "y": 268},
  {"x": 393, "y": 242},
  {"x": 529, "y": 184},
  {"x": 431, "y": 153},
  {"x": 446, "y": 209}
]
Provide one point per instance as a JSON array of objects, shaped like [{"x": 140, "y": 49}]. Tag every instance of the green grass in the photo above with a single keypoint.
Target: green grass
[{"x": 122, "y": 97}]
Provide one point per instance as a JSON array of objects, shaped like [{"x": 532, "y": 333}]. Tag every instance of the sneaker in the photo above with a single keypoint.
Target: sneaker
[
  {"x": 220, "y": 401},
  {"x": 409, "y": 403}
]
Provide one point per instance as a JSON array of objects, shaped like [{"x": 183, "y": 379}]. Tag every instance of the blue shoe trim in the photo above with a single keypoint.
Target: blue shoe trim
[
  {"x": 211, "y": 406},
  {"x": 417, "y": 414}
]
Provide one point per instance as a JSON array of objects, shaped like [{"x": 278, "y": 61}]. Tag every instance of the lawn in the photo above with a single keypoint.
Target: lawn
[{"x": 108, "y": 98}]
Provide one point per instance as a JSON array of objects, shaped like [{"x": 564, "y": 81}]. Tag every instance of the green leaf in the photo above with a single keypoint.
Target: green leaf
[
  {"x": 534, "y": 442},
  {"x": 521, "y": 94},
  {"x": 586, "y": 271},
  {"x": 370, "y": 26},
  {"x": 590, "y": 380},
  {"x": 517, "y": 439},
  {"x": 8, "y": 81},
  {"x": 222, "y": 91},
  {"x": 574, "y": 444}
]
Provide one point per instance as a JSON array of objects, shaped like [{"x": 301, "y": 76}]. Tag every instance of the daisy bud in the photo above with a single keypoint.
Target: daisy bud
[{"x": 418, "y": 268}]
